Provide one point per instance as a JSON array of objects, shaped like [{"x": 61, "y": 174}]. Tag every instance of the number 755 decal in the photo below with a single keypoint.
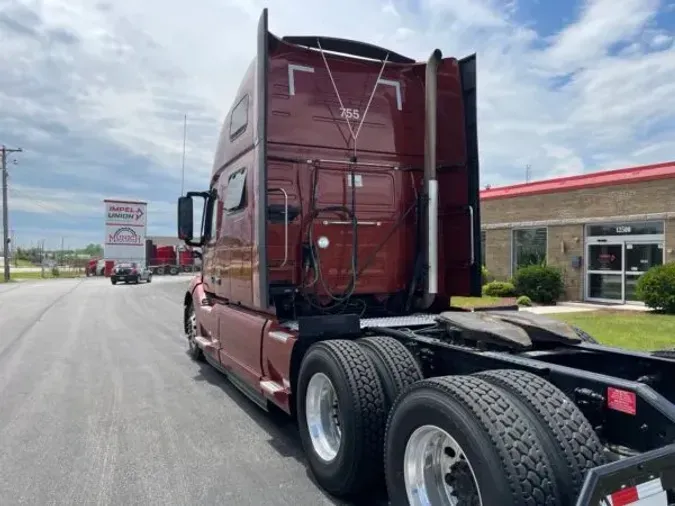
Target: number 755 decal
[{"x": 350, "y": 113}]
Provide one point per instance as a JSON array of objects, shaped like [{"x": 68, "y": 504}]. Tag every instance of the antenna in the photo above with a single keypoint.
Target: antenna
[{"x": 182, "y": 177}]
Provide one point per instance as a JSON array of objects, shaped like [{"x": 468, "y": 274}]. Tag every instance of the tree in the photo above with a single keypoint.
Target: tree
[{"x": 94, "y": 250}]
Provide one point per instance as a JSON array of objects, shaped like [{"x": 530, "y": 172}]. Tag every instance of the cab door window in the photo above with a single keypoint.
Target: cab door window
[{"x": 235, "y": 194}]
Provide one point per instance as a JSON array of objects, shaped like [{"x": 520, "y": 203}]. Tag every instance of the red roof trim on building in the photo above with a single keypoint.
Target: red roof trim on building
[{"x": 639, "y": 174}]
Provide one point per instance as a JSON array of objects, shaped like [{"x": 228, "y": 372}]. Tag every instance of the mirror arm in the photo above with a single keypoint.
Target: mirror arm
[
  {"x": 204, "y": 195},
  {"x": 207, "y": 215}
]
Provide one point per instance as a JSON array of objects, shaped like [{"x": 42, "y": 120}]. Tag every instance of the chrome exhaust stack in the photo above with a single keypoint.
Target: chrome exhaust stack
[{"x": 430, "y": 181}]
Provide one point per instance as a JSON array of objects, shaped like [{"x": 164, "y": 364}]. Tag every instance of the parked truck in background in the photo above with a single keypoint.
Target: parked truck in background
[
  {"x": 95, "y": 267},
  {"x": 170, "y": 259},
  {"x": 341, "y": 216}
]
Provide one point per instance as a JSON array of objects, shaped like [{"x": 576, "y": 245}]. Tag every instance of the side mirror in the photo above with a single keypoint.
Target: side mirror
[
  {"x": 186, "y": 231},
  {"x": 185, "y": 219}
]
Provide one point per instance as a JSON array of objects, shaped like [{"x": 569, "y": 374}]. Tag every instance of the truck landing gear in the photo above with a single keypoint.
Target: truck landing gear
[{"x": 341, "y": 416}]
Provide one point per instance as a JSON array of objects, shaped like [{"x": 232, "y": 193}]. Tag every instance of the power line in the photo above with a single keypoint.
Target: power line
[{"x": 5, "y": 208}]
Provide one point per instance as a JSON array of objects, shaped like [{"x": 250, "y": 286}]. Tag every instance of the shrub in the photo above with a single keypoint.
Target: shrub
[
  {"x": 524, "y": 300},
  {"x": 499, "y": 289},
  {"x": 55, "y": 272},
  {"x": 656, "y": 288},
  {"x": 541, "y": 283},
  {"x": 485, "y": 275}
]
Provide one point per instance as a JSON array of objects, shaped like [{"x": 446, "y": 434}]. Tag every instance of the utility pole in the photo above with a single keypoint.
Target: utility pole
[
  {"x": 528, "y": 170},
  {"x": 41, "y": 246},
  {"x": 182, "y": 172},
  {"x": 5, "y": 208},
  {"x": 13, "y": 243}
]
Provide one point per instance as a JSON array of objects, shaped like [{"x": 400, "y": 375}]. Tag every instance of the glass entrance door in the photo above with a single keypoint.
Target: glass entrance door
[
  {"x": 614, "y": 267},
  {"x": 617, "y": 254},
  {"x": 605, "y": 272},
  {"x": 640, "y": 257}
]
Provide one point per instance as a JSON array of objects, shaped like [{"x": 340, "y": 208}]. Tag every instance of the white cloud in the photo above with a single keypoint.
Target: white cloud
[
  {"x": 602, "y": 24},
  {"x": 598, "y": 94},
  {"x": 660, "y": 40},
  {"x": 73, "y": 207}
]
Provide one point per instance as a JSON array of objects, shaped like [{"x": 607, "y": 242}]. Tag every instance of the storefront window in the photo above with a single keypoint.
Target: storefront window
[{"x": 529, "y": 247}]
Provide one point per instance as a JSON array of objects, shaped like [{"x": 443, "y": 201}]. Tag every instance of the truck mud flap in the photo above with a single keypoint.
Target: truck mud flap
[
  {"x": 642, "y": 480},
  {"x": 538, "y": 327}
]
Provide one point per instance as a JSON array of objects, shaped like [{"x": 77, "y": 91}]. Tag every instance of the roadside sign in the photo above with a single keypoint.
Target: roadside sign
[{"x": 125, "y": 230}]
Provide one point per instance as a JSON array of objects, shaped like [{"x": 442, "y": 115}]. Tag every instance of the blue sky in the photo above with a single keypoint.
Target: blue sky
[{"x": 95, "y": 92}]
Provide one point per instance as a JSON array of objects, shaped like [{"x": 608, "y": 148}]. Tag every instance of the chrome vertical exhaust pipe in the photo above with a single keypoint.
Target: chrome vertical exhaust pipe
[{"x": 430, "y": 181}]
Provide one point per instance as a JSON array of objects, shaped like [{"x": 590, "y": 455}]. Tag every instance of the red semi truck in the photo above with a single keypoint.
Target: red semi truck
[
  {"x": 95, "y": 267},
  {"x": 341, "y": 216},
  {"x": 169, "y": 259}
]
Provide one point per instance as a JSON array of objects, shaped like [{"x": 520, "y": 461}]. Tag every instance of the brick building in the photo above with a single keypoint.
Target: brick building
[{"x": 602, "y": 229}]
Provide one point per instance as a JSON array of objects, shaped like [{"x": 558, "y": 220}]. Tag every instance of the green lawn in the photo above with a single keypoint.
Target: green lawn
[
  {"x": 18, "y": 276},
  {"x": 626, "y": 329},
  {"x": 469, "y": 302}
]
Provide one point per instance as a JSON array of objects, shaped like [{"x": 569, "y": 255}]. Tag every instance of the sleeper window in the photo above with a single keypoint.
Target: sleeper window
[{"x": 239, "y": 118}]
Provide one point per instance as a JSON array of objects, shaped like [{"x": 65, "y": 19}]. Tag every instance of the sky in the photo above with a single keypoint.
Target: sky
[{"x": 95, "y": 92}]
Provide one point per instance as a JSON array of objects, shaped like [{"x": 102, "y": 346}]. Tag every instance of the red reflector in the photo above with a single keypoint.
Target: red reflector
[
  {"x": 621, "y": 400},
  {"x": 625, "y": 496}
]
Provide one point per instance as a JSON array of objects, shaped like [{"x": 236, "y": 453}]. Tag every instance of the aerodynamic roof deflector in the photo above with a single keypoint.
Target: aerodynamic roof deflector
[{"x": 346, "y": 46}]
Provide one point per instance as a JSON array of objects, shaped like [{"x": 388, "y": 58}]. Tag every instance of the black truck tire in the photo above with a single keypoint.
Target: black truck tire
[
  {"x": 585, "y": 336},
  {"x": 396, "y": 366},
  {"x": 496, "y": 439},
  {"x": 567, "y": 436},
  {"x": 361, "y": 415}
]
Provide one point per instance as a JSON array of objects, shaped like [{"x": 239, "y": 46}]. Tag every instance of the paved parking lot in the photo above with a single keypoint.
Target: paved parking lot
[{"x": 99, "y": 404}]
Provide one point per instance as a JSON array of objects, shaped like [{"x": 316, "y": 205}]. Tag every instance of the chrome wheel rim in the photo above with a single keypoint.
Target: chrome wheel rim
[
  {"x": 192, "y": 329},
  {"x": 323, "y": 417},
  {"x": 437, "y": 472}
]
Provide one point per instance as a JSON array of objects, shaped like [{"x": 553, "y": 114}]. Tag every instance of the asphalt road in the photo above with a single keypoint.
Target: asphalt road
[{"x": 99, "y": 404}]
